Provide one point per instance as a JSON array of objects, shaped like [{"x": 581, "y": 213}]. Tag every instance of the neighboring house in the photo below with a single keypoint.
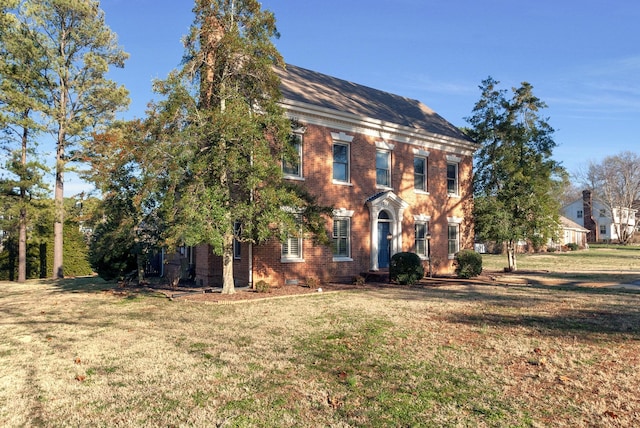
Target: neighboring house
[
  {"x": 572, "y": 233},
  {"x": 596, "y": 218},
  {"x": 398, "y": 175}
]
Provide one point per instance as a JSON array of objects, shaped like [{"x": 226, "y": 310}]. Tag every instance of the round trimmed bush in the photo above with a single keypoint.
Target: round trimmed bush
[
  {"x": 468, "y": 264},
  {"x": 405, "y": 268}
]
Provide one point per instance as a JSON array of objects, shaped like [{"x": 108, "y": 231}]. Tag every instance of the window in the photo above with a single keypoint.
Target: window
[
  {"x": 293, "y": 168},
  {"x": 603, "y": 212},
  {"x": 452, "y": 178},
  {"x": 453, "y": 239},
  {"x": 292, "y": 247},
  {"x": 383, "y": 168},
  {"x": 237, "y": 231},
  {"x": 421, "y": 241},
  {"x": 341, "y": 238},
  {"x": 341, "y": 162},
  {"x": 603, "y": 229},
  {"x": 579, "y": 214},
  {"x": 420, "y": 173}
]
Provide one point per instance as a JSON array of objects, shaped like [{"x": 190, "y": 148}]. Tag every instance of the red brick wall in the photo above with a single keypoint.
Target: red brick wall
[{"x": 317, "y": 171}]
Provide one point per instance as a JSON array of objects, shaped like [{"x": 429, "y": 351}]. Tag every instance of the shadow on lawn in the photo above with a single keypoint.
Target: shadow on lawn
[
  {"x": 572, "y": 322},
  {"x": 84, "y": 284},
  {"x": 547, "y": 310}
]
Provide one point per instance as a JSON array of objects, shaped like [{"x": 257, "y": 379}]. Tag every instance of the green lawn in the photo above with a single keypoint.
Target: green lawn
[{"x": 82, "y": 353}]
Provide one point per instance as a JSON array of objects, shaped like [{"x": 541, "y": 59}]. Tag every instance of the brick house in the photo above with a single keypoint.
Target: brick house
[{"x": 398, "y": 175}]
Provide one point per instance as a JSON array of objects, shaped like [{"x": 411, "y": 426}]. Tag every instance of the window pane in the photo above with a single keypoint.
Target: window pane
[
  {"x": 453, "y": 239},
  {"x": 419, "y": 175},
  {"x": 341, "y": 237},
  {"x": 382, "y": 168},
  {"x": 452, "y": 178},
  {"x": 293, "y": 167},
  {"x": 340, "y": 162}
]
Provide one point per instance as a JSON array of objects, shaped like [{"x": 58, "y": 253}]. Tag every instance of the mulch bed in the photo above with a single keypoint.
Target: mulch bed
[{"x": 214, "y": 295}]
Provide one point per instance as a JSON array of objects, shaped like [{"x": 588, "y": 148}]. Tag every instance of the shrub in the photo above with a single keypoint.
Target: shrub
[
  {"x": 573, "y": 246},
  {"x": 405, "y": 268},
  {"x": 468, "y": 264},
  {"x": 262, "y": 286},
  {"x": 312, "y": 282},
  {"x": 359, "y": 280}
]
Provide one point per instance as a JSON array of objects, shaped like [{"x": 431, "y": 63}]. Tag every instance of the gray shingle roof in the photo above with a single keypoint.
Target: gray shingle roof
[{"x": 302, "y": 85}]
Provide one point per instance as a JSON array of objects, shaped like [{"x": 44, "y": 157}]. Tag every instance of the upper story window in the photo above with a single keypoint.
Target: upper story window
[
  {"x": 420, "y": 173},
  {"x": 453, "y": 175},
  {"x": 341, "y": 162},
  {"x": 292, "y": 168},
  {"x": 383, "y": 168},
  {"x": 579, "y": 214},
  {"x": 603, "y": 212},
  {"x": 341, "y": 157},
  {"x": 420, "y": 181}
]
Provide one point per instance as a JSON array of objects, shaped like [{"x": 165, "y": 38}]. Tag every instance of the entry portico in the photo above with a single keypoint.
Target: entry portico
[{"x": 386, "y": 210}]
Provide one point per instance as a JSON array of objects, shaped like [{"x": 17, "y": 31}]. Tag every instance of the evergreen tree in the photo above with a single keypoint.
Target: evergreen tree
[
  {"x": 22, "y": 97},
  {"x": 78, "y": 49},
  {"x": 516, "y": 180},
  {"x": 220, "y": 137}
]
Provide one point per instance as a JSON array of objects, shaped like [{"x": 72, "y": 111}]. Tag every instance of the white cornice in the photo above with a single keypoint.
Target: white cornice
[{"x": 348, "y": 122}]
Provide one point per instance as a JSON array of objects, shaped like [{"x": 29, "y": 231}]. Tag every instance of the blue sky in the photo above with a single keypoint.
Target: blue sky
[{"x": 582, "y": 57}]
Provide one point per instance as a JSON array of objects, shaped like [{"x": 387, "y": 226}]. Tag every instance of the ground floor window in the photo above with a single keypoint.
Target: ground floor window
[
  {"x": 341, "y": 237},
  {"x": 237, "y": 231},
  {"x": 453, "y": 239},
  {"x": 421, "y": 241}
]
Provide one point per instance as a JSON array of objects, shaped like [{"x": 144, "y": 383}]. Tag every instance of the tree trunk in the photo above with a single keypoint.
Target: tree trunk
[
  {"x": 228, "y": 286},
  {"x": 58, "y": 198},
  {"x": 22, "y": 222},
  {"x": 511, "y": 257},
  {"x": 141, "y": 262},
  {"x": 22, "y": 246}
]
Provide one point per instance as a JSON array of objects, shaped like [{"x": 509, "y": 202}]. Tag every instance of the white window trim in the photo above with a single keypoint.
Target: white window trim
[
  {"x": 453, "y": 221},
  {"x": 422, "y": 154},
  {"x": 422, "y": 219},
  {"x": 289, "y": 258},
  {"x": 300, "y": 175},
  {"x": 454, "y": 160},
  {"x": 385, "y": 146},
  {"x": 382, "y": 186},
  {"x": 348, "y": 179},
  {"x": 341, "y": 214}
]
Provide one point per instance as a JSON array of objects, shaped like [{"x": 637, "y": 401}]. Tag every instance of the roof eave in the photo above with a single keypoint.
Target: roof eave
[{"x": 318, "y": 115}]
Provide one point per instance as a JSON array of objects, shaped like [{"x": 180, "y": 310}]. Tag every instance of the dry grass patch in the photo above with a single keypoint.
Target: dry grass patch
[{"x": 75, "y": 353}]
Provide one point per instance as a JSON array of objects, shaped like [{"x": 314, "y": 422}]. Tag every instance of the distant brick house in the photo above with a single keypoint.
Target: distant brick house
[{"x": 398, "y": 175}]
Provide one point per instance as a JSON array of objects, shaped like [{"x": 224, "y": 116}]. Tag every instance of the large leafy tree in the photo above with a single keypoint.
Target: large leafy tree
[
  {"x": 78, "y": 49},
  {"x": 126, "y": 225},
  {"x": 22, "y": 98},
  {"x": 615, "y": 182},
  {"x": 220, "y": 137},
  {"x": 516, "y": 180}
]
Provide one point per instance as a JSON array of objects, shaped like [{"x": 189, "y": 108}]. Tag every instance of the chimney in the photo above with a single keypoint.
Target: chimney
[{"x": 589, "y": 222}]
